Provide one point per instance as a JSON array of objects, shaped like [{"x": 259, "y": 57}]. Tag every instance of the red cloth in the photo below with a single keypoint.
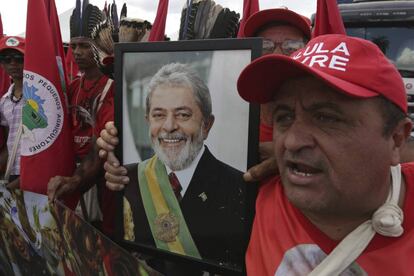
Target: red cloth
[
  {"x": 57, "y": 39},
  {"x": 249, "y": 8},
  {"x": 280, "y": 230},
  {"x": 83, "y": 133},
  {"x": 158, "y": 28},
  {"x": 266, "y": 133},
  {"x": 43, "y": 90},
  {"x": 85, "y": 98},
  {"x": 328, "y": 19}
]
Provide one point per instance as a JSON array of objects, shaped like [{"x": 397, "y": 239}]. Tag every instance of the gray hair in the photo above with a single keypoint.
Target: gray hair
[{"x": 177, "y": 74}]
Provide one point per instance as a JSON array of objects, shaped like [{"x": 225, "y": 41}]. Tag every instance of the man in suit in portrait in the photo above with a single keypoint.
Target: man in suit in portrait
[{"x": 187, "y": 201}]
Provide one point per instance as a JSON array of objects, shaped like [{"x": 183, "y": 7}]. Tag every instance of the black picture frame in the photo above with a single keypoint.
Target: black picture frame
[{"x": 155, "y": 55}]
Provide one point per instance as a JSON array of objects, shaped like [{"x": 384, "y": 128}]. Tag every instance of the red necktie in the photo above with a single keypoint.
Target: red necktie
[{"x": 176, "y": 186}]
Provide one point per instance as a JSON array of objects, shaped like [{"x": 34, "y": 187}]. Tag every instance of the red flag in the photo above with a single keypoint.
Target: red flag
[
  {"x": 46, "y": 144},
  {"x": 4, "y": 78},
  {"x": 158, "y": 28},
  {"x": 57, "y": 39},
  {"x": 249, "y": 8},
  {"x": 328, "y": 19}
]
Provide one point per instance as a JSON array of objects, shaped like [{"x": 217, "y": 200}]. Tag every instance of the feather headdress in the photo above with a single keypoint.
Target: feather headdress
[
  {"x": 203, "y": 19},
  {"x": 108, "y": 31},
  {"x": 84, "y": 18}
]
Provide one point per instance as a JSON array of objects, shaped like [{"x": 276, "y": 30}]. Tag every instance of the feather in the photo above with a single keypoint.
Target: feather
[
  {"x": 114, "y": 16},
  {"x": 202, "y": 19},
  {"x": 105, "y": 9},
  {"x": 214, "y": 12},
  {"x": 99, "y": 56},
  {"x": 199, "y": 18},
  {"x": 133, "y": 29},
  {"x": 84, "y": 6},
  {"x": 123, "y": 11},
  {"x": 226, "y": 24},
  {"x": 75, "y": 20},
  {"x": 102, "y": 36}
]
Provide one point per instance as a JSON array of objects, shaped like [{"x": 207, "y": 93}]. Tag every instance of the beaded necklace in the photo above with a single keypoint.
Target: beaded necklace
[
  {"x": 82, "y": 84},
  {"x": 81, "y": 87},
  {"x": 13, "y": 98}
]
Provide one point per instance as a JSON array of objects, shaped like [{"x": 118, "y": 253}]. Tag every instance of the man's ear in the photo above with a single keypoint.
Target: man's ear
[
  {"x": 399, "y": 139},
  {"x": 207, "y": 126},
  {"x": 147, "y": 118}
]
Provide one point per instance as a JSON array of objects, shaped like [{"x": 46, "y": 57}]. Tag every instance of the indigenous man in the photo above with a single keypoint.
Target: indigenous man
[
  {"x": 91, "y": 103},
  {"x": 207, "y": 212},
  {"x": 11, "y": 59},
  {"x": 339, "y": 120}
]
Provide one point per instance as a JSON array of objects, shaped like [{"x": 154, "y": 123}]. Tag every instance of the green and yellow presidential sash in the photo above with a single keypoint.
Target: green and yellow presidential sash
[{"x": 163, "y": 211}]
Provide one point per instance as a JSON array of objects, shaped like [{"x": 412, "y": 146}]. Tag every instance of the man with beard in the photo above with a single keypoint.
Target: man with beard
[{"x": 199, "y": 210}]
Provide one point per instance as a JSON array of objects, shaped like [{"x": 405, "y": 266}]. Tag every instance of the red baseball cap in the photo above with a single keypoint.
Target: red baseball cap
[
  {"x": 351, "y": 65},
  {"x": 261, "y": 18},
  {"x": 12, "y": 42}
]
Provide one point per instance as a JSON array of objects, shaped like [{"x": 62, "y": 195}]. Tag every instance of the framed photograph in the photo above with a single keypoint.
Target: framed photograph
[{"x": 186, "y": 137}]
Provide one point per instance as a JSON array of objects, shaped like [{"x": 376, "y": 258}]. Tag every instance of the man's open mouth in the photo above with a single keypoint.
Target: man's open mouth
[{"x": 302, "y": 169}]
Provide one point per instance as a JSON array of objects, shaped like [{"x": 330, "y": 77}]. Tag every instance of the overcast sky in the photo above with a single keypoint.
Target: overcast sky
[{"x": 13, "y": 12}]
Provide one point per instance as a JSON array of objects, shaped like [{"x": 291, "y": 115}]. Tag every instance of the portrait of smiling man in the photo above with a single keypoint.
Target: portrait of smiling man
[{"x": 183, "y": 199}]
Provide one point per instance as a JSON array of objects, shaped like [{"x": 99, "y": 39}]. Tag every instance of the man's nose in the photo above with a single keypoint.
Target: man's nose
[
  {"x": 170, "y": 124},
  {"x": 278, "y": 50},
  {"x": 75, "y": 51},
  {"x": 299, "y": 137}
]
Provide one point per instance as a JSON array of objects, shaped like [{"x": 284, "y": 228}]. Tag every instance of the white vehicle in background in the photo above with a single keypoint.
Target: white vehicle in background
[{"x": 389, "y": 24}]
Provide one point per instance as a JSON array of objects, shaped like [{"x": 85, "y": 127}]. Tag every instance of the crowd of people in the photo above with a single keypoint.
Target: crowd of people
[{"x": 333, "y": 198}]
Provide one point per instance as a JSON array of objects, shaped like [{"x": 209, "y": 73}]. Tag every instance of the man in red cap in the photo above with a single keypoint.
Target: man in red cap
[
  {"x": 283, "y": 32},
  {"x": 342, "y": 202},
  {"x": 11, "y": 59}
]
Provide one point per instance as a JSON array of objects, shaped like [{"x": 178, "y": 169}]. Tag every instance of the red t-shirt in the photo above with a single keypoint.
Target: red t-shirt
[
  {"x": 88, "y": 121},
  {"x": 284, "y": 242},
  {"x": 84, "y": 97}
]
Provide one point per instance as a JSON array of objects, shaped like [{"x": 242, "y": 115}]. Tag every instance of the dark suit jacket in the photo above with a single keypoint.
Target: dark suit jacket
[{"x": 217, "y": 224}]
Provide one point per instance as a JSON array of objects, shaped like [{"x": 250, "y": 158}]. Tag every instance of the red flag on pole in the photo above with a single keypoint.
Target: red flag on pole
[
  {"x": 158, "y": 28},
  {"x": 4, "y": 78},
  {"x": 249, "y": 8},
  {"x": 46, "y": 144},
  {"x": 328, "y": 19},
  {"x": 57, "y": 41}
]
